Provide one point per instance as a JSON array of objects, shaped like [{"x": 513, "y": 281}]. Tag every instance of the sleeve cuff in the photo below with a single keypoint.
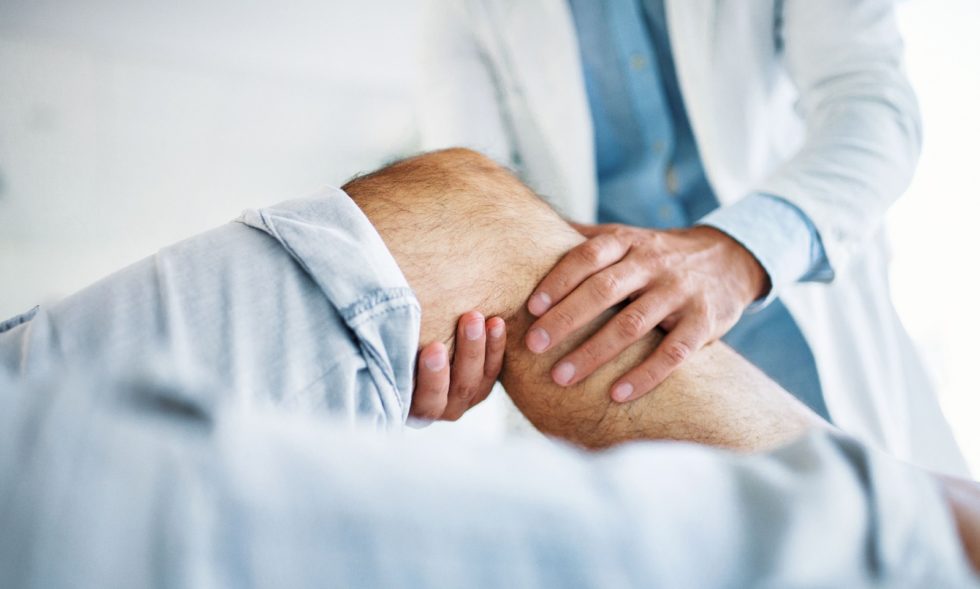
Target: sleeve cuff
[{"x": 781, "y": 238}]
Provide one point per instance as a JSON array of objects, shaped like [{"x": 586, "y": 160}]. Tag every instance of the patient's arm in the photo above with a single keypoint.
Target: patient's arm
[{"x": 468, "y": 235}]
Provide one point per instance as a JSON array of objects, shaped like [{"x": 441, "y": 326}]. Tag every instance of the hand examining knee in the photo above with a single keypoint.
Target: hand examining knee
[
  {"x": 467, "y": 234},
  {"x": 693, "y": 282}
]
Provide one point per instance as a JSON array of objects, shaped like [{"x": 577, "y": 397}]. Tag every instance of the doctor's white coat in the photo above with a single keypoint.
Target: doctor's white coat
[{"x": 805, "y": 99}]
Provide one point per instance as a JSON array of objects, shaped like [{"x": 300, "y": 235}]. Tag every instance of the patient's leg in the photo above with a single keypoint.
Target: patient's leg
[
  {"x": 276, "y": 308},
  {"x": 468, "y": 235}
]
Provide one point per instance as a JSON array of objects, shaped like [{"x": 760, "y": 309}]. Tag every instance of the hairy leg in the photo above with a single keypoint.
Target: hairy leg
[{"x": 468, "y": 234}]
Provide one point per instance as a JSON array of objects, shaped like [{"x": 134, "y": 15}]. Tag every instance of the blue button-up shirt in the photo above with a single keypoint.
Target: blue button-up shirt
[{"x": 650, "y": 174}]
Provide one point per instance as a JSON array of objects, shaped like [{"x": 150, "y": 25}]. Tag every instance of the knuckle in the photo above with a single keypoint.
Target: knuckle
[
  {"x": 560, "y": 280},
  {"x": 591, "y": 252},
  {"x": 623, "y": 233},
  {"x": 631, "y": 323},
  {"x": 591, "y": 353},
  {"x": 563, "y": 319},
  {"x": 649, "y": 255},
  {"x": 677, "y": 351},
  {"x": 605, "y": 286},
  {"x": 654, "y": 263},
  {"x": 464, "y": 393},
  {"x": 653, "y": 241}
]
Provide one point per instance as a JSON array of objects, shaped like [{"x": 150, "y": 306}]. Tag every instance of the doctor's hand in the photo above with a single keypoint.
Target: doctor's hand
[
  {"x": 693, "y": 283},
  {"x": 445, "y": 390}
]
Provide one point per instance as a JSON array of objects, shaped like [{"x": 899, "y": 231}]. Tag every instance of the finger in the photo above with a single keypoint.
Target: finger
[
  {"x": 468, "y": 361},
  {"x": 585, "y": 229},
  {"x": 689, "y": 336},
  {"x": 494, "y": 359},
  {"x": 599, "y": 292},
  {"x": 629, "y": 325},
  {"x": 593, "y": 230},
  {"x": 670, "y": 322},
  {"x": 432, "y": 382},
  {"x": 582, "y": 261}
]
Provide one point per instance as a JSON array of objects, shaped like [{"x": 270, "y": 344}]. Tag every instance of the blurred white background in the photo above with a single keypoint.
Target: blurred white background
[
  {"x": 128, "y": 124},
  {"x": 934, "y": 226}
]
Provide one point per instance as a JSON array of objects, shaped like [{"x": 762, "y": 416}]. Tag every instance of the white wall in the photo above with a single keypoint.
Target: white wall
[
  {"x": 935, "y": 228},
  {"x": 126, "y": 124}
]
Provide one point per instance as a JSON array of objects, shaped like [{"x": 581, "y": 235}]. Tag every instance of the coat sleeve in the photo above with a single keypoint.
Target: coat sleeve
[
  {"x": 863, "y": 132},
  {"x": 459, "y": 98}
]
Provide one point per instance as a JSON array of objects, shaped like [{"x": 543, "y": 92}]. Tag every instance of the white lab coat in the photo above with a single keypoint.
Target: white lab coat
[{"x": 805, "y": 99}]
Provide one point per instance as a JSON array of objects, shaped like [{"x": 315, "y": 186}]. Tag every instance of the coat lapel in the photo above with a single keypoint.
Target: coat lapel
[
  {"x": 539, "y": 46},
  {"x": 541, "y": 49}
]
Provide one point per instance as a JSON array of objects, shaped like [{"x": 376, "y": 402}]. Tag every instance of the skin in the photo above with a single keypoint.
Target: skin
[
  {"x": 444, "y": 390},
  {"x": 409, "y": 203},
  {"x": 692, "y": 304},
  {"x": 505, "y": 240},
  {"x": 693, "y": 283},
  {"x": 716, "y": 397},
  {"x": 963, "y": 498}
]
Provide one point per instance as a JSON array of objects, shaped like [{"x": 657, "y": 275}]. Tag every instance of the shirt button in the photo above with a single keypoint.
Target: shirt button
[
  {"x": 637, "y": 61},
  {"x": 665, "y": 213},
  {"x": 659, "y": 147},
  {"x": 671, "y": 180}
]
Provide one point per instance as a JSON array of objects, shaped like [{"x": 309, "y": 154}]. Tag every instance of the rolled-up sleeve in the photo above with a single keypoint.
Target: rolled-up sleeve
[
  {"x": 298, "y": 305},
  {"x": 779, "y": 235}
]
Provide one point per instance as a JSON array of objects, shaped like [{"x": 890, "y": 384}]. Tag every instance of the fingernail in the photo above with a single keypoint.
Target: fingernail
[
  {"x": 436, "y": 362},
  {"x": 538, "y": 340},
  {"x": 497, "y": 330},
  {"x": 621, "y": 392},
  {"x": 473, "y": 330},
  {"x": 538, "y": 303},
  {"x": 563, "y": 373}
]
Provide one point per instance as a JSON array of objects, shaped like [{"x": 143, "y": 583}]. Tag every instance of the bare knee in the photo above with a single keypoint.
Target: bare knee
[{"x": 466, "y": 232}]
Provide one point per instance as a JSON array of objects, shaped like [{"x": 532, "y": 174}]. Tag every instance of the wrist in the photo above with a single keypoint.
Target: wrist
[{"x": 735, "y": 258}]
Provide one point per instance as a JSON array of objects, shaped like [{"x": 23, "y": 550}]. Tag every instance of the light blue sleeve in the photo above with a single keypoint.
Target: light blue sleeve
[
  {"x": 109, "y": 481},
  {"x": 779, "y": 235},
  {"x": 299, "y": 304}
]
